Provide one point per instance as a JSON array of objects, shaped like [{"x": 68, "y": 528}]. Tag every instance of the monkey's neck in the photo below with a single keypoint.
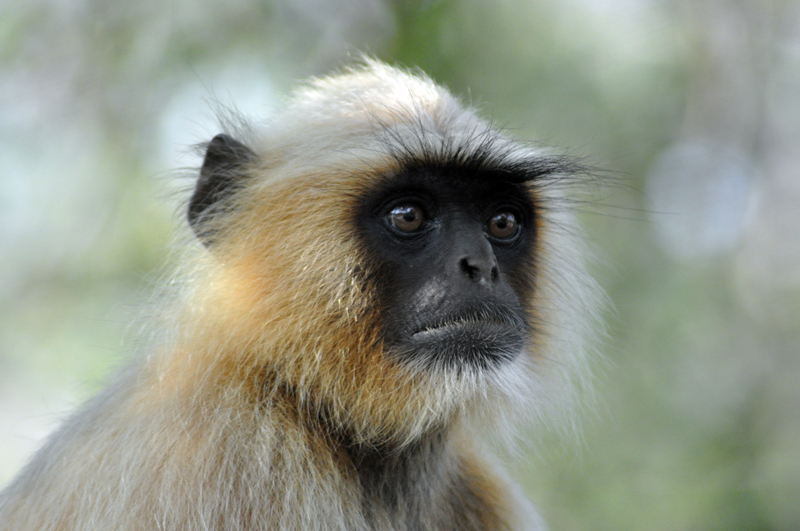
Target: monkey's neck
[
  {"x": 392, "y": 476},
  {"x": 377, "y": 466},
  {"x": 399, "y": 486},
  {"x": 403, "y": 483}
]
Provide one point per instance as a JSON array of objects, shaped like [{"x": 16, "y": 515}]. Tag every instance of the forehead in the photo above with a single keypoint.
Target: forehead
[{"x": 453, "y": 182}]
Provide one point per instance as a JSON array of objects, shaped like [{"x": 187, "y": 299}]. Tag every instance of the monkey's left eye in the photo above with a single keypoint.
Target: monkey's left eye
[
  {"x": 406, "y": 218},
  {"x": 504, "y": 225}
]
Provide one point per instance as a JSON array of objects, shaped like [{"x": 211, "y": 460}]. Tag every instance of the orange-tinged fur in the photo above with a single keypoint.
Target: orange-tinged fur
[{"x": 270, "y": 402}]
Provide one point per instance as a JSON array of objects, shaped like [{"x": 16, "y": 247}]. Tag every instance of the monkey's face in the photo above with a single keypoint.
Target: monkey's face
[{"x": 453, "y": 255}]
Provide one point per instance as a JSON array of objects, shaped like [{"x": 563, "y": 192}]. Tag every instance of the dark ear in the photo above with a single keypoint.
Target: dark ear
[{"x": 223, "y": 168}]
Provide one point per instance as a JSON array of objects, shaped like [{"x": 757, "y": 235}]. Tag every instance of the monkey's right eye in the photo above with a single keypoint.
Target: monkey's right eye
[{"x": 406, "y": 218}]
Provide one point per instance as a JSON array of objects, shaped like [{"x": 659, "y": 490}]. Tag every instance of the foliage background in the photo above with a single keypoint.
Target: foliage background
[{"x": 693, "y": 107}]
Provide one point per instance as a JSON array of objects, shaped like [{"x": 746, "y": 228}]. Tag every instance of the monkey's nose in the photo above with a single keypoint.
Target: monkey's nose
[{"x": 482, "y": 270}]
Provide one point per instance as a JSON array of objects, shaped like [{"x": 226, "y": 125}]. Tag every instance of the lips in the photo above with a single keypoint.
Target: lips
[
  {"x": 468, "y": 323},
  {"x": 474, "y": 327}
]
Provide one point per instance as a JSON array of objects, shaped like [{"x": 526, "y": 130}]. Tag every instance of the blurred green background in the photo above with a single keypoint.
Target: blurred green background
[{"x": 692, "y": 107}]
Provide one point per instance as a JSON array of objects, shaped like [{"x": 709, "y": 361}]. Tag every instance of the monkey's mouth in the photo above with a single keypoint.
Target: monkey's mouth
[
  {"x": 478, "y": 326},
  {"x": 496, "y": 319},
  {"x": 468, "y": 339}
]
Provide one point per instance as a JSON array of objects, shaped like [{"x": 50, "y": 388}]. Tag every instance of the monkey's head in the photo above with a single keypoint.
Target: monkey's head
[{"x": 387, "y": 259}]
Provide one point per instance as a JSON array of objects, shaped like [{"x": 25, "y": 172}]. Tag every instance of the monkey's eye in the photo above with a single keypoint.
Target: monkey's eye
[
  {"x": 503, "y": 225},
  {"x": 406, "y": 218}
]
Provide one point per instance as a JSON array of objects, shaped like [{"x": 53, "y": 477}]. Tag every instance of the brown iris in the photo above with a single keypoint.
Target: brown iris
[
  {"x": 406, "y": 218},
  {"x": 503, "y": 225}
]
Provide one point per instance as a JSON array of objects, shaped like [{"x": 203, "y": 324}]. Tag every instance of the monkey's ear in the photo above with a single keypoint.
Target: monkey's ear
[{"x": 223, "y": 167}]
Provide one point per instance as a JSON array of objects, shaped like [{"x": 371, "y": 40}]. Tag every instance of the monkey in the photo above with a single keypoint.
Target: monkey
[{"x": 380, "y": 281}]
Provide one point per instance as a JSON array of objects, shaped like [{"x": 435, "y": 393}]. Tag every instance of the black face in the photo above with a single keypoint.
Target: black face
[{"x": 454, "y": 266}]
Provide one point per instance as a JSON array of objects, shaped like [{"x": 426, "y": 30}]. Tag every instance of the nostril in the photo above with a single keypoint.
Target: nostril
[
  {"x": 468, "y": 269},
  {"x": 494, "y": 273}
]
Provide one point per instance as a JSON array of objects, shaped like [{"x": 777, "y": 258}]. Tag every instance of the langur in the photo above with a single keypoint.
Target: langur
[{"x": 381, "y": 280}]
